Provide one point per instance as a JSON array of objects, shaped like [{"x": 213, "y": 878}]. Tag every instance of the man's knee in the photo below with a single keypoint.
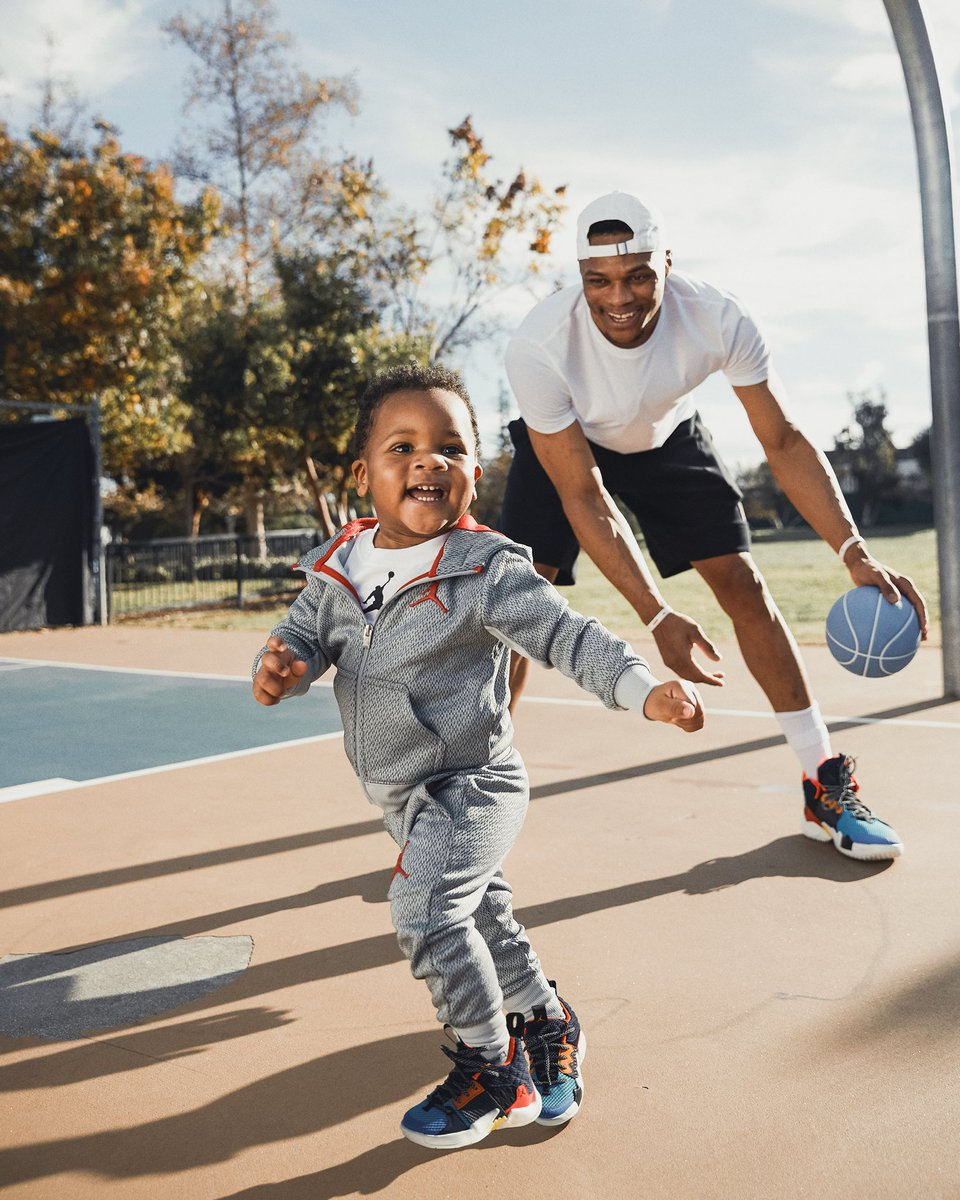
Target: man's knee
[{"x": 736, "y": 582}]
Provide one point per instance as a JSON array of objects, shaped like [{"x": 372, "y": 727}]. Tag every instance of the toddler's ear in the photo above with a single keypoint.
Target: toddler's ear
[{"x": 359, "y": 469}]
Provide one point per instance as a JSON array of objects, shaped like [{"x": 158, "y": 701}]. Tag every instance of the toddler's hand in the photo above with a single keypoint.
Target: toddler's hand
[
  {"x": 279, "y": 671},
  {"x": 675, "y": 703}
]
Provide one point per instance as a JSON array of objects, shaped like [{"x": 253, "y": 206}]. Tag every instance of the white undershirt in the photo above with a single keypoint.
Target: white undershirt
[{"x": 377, "y": 573}]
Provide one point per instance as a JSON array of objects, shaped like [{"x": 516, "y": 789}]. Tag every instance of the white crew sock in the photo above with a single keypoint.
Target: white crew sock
[
  {"x": 491, "y": 1037},
  {"x": 535, "y": 994},
  {"x": 807, "y": 736}
]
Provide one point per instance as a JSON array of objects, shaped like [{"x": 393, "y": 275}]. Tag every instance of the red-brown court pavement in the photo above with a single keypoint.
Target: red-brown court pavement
[{"x": 765, "y": 1018}]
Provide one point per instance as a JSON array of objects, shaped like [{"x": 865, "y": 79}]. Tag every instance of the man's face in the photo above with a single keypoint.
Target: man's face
[{"x": 624, "y": 293}]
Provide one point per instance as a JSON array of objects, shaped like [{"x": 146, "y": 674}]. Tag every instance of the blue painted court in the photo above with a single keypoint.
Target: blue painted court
[{"x": 75, "y": 724}]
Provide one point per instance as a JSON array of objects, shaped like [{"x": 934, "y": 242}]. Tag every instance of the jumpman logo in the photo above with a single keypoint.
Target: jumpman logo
[{"x": 376, "y": 596}]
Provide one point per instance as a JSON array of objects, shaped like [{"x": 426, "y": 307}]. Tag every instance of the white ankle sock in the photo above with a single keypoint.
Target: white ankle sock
[
  {"x": 534, "y": 995},
  {"x": 491, "y": 1037},
  {"x": 807, "y": 736}
]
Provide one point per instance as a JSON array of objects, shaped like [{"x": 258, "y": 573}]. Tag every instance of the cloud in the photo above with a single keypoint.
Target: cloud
[
  {"x": 865, "y": 55},
  {"x": 93, "y": 44}
]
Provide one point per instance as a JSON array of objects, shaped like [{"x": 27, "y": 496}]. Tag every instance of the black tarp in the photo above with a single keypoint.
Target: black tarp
[{"x": 46, "y": 500}]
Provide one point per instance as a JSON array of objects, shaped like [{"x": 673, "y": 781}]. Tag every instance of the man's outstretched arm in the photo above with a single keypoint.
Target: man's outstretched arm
[
  {"x": 605, "y": 535},
  {"x": 811, "y": 487}
]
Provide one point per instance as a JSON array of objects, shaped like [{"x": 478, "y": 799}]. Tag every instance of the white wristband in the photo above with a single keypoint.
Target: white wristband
[
  {"x": 851, "y": 541},
  {"x": 661, "y": 616}
]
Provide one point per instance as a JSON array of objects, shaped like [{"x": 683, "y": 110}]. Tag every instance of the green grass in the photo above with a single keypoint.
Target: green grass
[
  {"x": 129, "y": 600},
  {"x": 801, "y": 572}
]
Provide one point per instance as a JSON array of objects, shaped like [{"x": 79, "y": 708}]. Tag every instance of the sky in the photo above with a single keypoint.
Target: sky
[{"x": 775, "y": 135}]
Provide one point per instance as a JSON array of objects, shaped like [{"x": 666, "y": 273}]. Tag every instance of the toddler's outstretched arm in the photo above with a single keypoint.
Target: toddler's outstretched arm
[{"x": 280, "y": 670}]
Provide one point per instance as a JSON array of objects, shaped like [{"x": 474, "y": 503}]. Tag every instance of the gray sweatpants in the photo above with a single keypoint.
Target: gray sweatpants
[{"x": 451, "y": 907}]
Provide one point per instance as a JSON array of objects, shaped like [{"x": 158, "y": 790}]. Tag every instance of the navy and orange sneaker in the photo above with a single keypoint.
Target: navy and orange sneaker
[
  {"x": 556, "y": 1048},
  {"x": 476, "y": 1098},
  {"x": 834, "y": 813}
]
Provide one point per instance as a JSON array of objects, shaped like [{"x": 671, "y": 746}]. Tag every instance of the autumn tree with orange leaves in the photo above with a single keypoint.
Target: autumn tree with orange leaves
[
  {"x": 253, "y": 125},
  {"x": 95, "y": 255},
  {"x": 437, "y": 272}
]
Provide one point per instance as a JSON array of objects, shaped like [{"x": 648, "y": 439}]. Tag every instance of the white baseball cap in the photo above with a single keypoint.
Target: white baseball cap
[{"x": 646, "y": 223}]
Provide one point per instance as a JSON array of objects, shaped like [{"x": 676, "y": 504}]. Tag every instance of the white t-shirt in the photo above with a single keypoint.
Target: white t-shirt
[
  {"x": 377, "y": 573},
  {"x": 562, "y": 369}
]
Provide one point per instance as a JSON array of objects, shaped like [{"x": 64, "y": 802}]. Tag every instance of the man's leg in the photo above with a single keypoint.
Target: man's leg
[
  {"x": 533, "y": 516},
  {"x": 520, "y": 666},
  {"x": 765, "y": 641},
  {"x": 832, "y": 808}
]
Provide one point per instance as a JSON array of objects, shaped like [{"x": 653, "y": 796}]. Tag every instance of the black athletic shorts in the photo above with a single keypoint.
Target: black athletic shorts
[{"x": 684, "y": 499}]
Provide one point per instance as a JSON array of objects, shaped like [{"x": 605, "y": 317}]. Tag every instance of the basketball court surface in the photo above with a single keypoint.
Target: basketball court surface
[{"x": 201, "y": 994}]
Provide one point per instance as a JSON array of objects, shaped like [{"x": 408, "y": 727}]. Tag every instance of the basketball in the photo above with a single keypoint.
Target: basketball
[{"x": 870, "y": 636}]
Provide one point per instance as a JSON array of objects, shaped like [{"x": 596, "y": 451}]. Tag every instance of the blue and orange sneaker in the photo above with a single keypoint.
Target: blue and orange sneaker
[
  {"x": 834, "y": 813},
  {"x": 556, "y": 1048},
  {"x": 476, "y": 1097}
]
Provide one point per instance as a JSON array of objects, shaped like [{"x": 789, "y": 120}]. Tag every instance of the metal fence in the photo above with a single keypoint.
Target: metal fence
[{"x": 228, "y": 569}]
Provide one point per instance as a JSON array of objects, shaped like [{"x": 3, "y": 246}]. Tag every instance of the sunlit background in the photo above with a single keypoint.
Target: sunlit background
[{"x": 775, "y": 134}]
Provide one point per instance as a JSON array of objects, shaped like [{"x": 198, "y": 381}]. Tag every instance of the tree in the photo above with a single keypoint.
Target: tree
[
  {"x": 920, "y": 446},
  {"x": 764, "y": 500},
  {"x": 434, "y": 273},
  {"x": 336, "y": 346},
  {"x": 237, "y": 381},
  {"x": 323, "y": 263},
  {"x": 496, "y": 467},
  {"x": 95, "y": 258},
  {"x": 258, "y": 145},
  {"x": 864, "y": 455}
]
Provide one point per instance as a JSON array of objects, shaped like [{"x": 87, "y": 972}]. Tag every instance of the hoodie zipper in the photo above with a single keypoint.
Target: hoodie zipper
[{"x": 367, "y": 638}]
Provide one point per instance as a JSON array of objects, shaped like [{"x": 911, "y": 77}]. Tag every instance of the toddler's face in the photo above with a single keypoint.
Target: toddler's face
[{"x": 419, "y": 466}]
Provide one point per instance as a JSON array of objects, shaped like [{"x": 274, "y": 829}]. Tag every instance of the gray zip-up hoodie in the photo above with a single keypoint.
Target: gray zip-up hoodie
[{"x": 424, "y": 692}]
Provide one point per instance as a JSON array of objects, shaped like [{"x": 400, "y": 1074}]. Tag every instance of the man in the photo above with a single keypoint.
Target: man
[{"x": 602, "y": 373}]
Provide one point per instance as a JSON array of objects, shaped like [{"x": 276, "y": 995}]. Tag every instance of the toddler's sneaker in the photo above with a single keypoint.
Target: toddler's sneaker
[
  {"x": 476, "y": 1097},
  {"x": 833, "y": 812},
  {"x": 556, "y": 1048}
]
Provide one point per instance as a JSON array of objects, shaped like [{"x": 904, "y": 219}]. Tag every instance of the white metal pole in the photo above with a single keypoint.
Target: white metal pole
[{"x": 931, "y": 127}]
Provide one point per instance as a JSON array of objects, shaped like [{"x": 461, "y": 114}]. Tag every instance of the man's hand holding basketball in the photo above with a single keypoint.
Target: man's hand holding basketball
[
  {"x": 866, "y": 571},
  {"x": 677, "y": 636},
  {"x": 675, "y": 703},
  {"x": 279, "y": 671}
]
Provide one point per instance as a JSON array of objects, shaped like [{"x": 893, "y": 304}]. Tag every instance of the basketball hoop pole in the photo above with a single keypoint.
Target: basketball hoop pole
[{"x": 931, "y": 128}]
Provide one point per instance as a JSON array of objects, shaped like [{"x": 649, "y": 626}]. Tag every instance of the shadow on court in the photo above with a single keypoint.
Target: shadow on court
[
  {"x": 724, "y": 1018},
  {"x": 333, "y": 1089},
  {"x": 74, "y": 884},
  {"x": 375, "y": 1170},
  {"x": 562, "y": 787},
  {"x": 323, "y": 837},
  {"x": 788, "y": 857},
  {"x": 305, "y": 1099},
  {"x": 139, "y": 1050}
]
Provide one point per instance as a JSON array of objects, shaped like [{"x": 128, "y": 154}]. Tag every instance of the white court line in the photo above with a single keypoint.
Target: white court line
[
  {"x": 766, "y": 715},
  {"x": 828, "y": 717},
  {"x": 16, "y": 663},
  {"x": 40, "y": 787},
  {"x": 16, "y": 791}
]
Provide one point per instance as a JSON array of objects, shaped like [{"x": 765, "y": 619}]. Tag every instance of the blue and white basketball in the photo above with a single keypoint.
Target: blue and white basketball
[{"x": 870, "y": 636}]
